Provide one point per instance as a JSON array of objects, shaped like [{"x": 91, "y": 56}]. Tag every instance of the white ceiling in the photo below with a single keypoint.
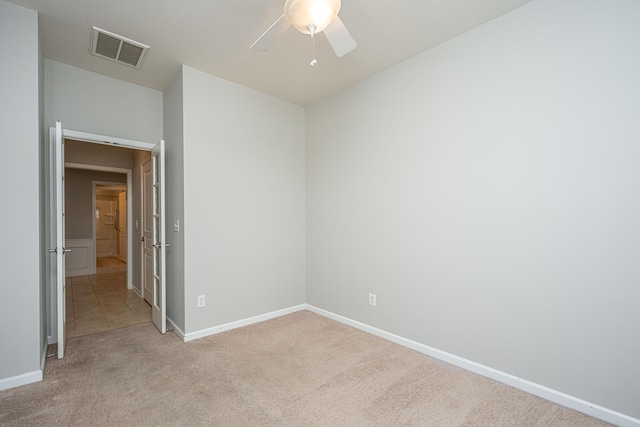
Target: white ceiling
[{"x": 214, "y": 36}]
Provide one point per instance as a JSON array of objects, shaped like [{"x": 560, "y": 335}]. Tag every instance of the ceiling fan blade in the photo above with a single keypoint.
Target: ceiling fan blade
[
  {"x": 339, "y": 37},
  {"x": 273, "y": 33}
]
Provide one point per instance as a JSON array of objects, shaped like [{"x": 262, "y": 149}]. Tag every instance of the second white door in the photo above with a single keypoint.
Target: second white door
[
  {"x": 121, "y": 217},
  {"x": 147, "y": 231}
]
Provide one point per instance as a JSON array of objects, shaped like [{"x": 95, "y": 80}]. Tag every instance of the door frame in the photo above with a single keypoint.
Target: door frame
[
  {"x": 127, "y": 172},
  {"x": 95, "y": 139},
  {"x": 113, "y": 185}
]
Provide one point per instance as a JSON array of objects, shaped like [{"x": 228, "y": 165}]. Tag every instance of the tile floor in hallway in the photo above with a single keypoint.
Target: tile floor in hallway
[{"x": 101, "y": 302}]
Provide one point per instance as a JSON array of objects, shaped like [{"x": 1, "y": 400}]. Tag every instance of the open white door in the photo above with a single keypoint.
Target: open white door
[
  {"x": 147, "y": 231},
  {"x": 159, "y": 306},
  {"x": 57, "y": 231}
]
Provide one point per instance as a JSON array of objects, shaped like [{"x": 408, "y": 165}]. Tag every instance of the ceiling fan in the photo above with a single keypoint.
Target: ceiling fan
[{"x": 310, "y": 17}]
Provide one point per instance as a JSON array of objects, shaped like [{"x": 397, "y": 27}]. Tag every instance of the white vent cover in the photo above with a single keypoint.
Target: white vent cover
[{"x": 117, "y": 48}]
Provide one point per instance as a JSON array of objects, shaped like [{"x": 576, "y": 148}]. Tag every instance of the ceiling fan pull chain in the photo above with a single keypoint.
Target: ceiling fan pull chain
[
  {"x": 314, "y": 61},
  {"x": 312, "y": 30}
]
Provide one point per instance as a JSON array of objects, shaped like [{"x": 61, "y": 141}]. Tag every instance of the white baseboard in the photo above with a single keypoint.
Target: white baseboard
[
  {"x": 547, "y": 393},
  {"x": 20, "y": 380},
  {"x": 179, "y": 332},
  {"x": 240, "y": 323}
]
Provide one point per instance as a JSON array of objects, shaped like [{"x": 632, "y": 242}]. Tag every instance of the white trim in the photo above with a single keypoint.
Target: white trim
[
  {"x": 547, "y": 393},
  {"x": 20, "y": 380},
  {"x": 107, "y": 140},
  {"x": 240, "y": 323},
  {"x": 179, "y": 332}
]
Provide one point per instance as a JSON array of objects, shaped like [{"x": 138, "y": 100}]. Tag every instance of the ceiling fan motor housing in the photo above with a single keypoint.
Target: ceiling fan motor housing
[{"x": 306, "y": 14}]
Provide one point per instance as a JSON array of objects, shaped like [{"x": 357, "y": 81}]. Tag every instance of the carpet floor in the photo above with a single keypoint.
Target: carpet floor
[{"x": 297, "y": 370}]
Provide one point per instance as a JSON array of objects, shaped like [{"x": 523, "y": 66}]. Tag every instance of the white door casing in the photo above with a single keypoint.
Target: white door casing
[{"x": 57, "y": 231}]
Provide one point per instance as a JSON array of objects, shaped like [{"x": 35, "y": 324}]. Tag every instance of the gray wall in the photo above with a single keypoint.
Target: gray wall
[
  {"x": 174, "y": 150},
  {"x": 21, "y": 291},
  {"x": 78, "y": 195},
  {"x": 483, "y": 190},
  {"x": 243, "y": 201},
  {"x": 89, "y": 102},
  {"x": 486, "y": 191}
]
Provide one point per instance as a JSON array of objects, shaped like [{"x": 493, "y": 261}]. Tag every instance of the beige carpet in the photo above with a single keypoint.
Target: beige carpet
[{"x": 297, "y": 370}]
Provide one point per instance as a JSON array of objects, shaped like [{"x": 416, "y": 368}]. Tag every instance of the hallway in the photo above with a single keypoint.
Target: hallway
[{"x": 102, "y": 302}]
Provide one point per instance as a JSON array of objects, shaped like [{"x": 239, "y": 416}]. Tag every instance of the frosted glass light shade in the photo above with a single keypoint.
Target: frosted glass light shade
[{"x": 320, "y": 13}]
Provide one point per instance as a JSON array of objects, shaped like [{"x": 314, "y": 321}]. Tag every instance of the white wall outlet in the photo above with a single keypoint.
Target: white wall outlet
[
  {"x": 136, "y": 223},
  {"x": 372, "y": 299},
  {"x": 176, "y": 226},
  {"x": 200, "y": 301}
]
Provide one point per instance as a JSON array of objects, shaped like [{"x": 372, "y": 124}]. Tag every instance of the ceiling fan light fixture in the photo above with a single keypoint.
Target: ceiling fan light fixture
[{"x": 304, "y": 15}]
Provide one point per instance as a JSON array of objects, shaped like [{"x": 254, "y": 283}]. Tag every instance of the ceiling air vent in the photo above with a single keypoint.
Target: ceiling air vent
[{"x": 117, "y": 48}]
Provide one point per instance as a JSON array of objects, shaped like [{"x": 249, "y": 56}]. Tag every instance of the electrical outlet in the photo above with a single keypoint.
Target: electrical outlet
[
  {"x": 372, "y": 299},
  {"x": 200, "y": 301},
  {"x": 176, "y": 226}
]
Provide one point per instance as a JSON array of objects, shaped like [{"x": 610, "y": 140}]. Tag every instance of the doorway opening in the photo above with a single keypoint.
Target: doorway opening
[
  {"x": 110, "y": 223},
  {"x": 100, "y": 270},
  {"x": 58, "y": 174}
]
